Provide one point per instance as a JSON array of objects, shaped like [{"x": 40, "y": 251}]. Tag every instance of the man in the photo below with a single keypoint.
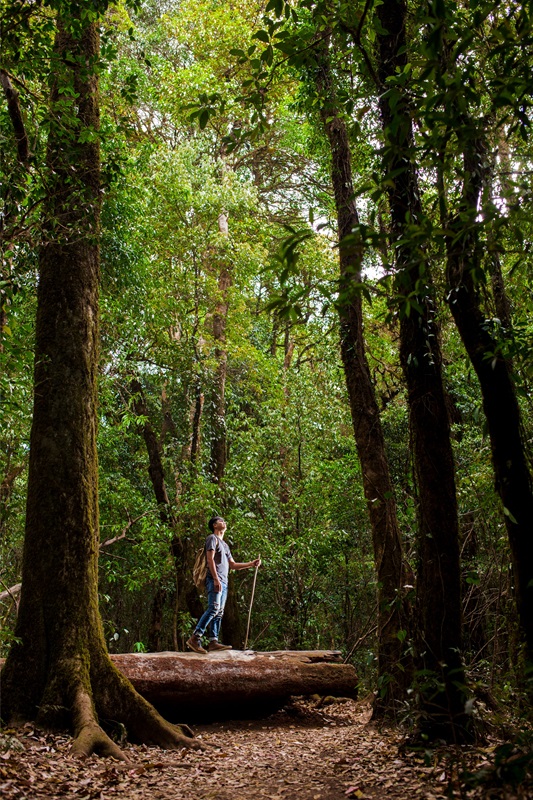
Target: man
[{"x": 219, "y": 562}]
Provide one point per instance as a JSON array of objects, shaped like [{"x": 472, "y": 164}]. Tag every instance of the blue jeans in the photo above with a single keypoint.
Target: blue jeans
[{"x": 212, "y": 617}]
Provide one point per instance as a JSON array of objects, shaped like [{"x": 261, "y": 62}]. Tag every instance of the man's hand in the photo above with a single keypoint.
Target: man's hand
[
  {"x": 217, "y": 585},
  {"x": 256, "y": 563}
]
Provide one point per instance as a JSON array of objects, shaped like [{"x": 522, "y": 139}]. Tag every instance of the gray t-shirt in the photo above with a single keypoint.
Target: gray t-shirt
[{"x": 222, "y": 555}]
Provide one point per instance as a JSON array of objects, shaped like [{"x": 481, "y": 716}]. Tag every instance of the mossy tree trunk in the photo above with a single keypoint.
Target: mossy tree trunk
[{"x": 58, "y": 672}]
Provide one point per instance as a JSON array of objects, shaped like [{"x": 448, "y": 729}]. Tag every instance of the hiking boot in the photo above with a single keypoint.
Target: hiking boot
[
  {"x": 195, "y": 643},
  {"x": 214, "y": 647}
]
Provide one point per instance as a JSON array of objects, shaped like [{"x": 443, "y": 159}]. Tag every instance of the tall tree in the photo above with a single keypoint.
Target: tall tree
[
  {"x": 58, "y": 669},
  {"x": 438, "y": 578},
  {"x": 500, "y": 402},
  {"x": 394, "y": 673},
  {"x": 220, "y": 316}
]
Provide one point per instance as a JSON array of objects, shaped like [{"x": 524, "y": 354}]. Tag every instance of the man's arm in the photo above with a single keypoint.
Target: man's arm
[{"x": 245, "y": 565}]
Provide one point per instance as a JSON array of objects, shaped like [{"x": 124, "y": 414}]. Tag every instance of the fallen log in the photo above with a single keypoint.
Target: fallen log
[
  {"x": 188, "y": 687},
  {"x": 234, "y": 683}
]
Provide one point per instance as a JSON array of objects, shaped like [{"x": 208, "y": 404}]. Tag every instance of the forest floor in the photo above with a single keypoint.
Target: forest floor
[{"x": 306, "y": 751}]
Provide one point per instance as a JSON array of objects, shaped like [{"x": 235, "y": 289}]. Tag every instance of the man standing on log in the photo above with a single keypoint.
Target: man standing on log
[{"x": 219, "y": 562}]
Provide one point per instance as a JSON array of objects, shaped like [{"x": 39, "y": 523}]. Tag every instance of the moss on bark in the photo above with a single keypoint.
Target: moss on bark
[{"x": 58, "y": 671}]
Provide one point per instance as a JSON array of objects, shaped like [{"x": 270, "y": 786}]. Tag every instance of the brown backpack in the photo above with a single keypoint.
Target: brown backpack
[{"x": 199, "y": 571}]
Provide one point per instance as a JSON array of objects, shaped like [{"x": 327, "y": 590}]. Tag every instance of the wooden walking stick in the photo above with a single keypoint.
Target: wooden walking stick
[{"x": 250, "y": 609}]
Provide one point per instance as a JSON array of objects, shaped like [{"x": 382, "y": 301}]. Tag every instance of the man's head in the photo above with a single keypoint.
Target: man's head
[{"x": 216, "y": 525}]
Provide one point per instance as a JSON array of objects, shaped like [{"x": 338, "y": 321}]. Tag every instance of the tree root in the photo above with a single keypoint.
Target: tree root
[
  {"x": 89, "y": 737},
  {"x": 92, "y": 739},
  {"x": 81, "y": 697},
  {"x": 115, "y": 696}
]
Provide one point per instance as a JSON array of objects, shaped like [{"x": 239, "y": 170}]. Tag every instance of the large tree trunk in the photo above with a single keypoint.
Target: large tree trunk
[
  {"x": 500, "y": 403},
  {"x": 58, "y": 670},
  {"x": 438, "y": 583},
  {"x": 394, "y": 673}
]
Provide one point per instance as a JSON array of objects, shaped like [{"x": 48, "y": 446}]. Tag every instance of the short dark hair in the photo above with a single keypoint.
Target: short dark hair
[{"x": 211, "y": 523}]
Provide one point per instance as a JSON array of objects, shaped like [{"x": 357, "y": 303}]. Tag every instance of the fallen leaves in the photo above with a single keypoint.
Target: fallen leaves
[{"x": 297, "y": 754}]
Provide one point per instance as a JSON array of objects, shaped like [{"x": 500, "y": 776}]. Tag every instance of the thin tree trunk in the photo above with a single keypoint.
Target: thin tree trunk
[
  {"x": 218, "y": 444},
  {"x": 156, "y": 619},
  {"x": 181, "y": 548},
  {"x": 438, "y": 584},
  {"x": 153, "y": 448},
  {"x": 232, "y": 626},
  {"x": 394, "y": 673},
  {"x": 500, "y": 403},
  {"x": 16, "y": 116},
  {"x": 157, "y": 477}
]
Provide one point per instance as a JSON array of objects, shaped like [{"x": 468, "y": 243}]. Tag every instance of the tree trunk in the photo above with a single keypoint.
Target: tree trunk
[
  {"x": 157, "y": 478},
  {"x": 58, "y": 670},
  {"x": 17, "y": 119},
  {"x": 182, "y": 548},
  {"x": 232, "y": 625},
  {"x": 153, "y": 448},
  {"x": 438, "y": 584},
  {"x": 394, "y": 672},
  {"x": 218, "y": 444},
  {"x": 156, "y": 619},
  {"x": 500, "y": 403}
]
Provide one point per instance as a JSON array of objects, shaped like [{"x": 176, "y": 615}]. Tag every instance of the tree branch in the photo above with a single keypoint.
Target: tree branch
[{"x": 15, "y": 113}]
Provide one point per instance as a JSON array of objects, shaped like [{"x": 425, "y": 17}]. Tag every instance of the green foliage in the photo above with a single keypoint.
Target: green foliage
[{"x": 209, "y": 110}]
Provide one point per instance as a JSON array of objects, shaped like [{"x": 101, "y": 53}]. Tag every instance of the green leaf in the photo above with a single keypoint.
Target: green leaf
[
  {"x": 262, "y": 36},
  {"x": 203, "y": 118},
  {"x": 509, "y": 515}
]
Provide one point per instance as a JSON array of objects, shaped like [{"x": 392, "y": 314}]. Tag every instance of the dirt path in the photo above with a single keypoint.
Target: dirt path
[{"x": 303, "y": 752}]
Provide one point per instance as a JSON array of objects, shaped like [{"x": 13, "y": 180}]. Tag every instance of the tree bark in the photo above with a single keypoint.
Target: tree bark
[
  {"x": 181, "y": 549},
  {"x": 153, "y": 448},
  {"x": 157, "y": 477},
  {"x": 500, "y": 403},
  {"x": 237, "y": 683},
  {"x": 438, "y": 582},
  {"x": 234, "y": 683},
  {"x": 17, "y": 119},
  {"x": 58, "y": 671},
  {"x": 219, "y": 444},
  {"x": 394, "y": 672}
]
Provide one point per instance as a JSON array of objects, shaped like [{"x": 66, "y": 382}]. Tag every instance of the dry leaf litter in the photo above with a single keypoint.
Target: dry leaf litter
[{"x": 308, "y": 751}]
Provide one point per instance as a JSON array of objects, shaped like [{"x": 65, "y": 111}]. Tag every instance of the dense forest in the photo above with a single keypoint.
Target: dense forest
[{"x": 268, "y": 260}]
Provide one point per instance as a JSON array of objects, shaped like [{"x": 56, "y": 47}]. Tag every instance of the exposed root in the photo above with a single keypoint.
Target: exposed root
[
  {"x": 89, "y": 737},
  {"x": 144, "y": 724},
  {"x": 92, "y": 739},
  {"x": 173, "y": 737},
  {"x": 149, "y": 727}
]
